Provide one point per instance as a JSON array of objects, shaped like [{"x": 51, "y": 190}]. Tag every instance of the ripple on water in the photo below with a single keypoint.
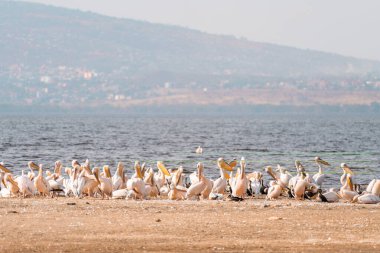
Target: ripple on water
[{"x": 262, "y": 140}]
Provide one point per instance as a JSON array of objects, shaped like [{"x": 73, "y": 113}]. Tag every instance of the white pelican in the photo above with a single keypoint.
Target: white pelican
[
  {"x": 220, "y": 184},
  {"x": 346, "y": 170},
  {"x": 284, "y": 176},
  {"x": 199, "y": 150},
  {"x": 320, "y": 177},
  {"x": 300, "y": 169},
  {"x": 160, "y": 179},
  {"x": 208, "y": 183},
  {"x": 371, "y": 195},
  {"x": 32, "y": 166},
  {"x": 4, "y": 191},
  {"x": 12, "y": 188},
  {"x": 193, "y": 178},
  {"x": 120, "y": 194},
  {"x": 367, "y": 198},
  {"x": 87, "y": 181},
  {"x": 302, "y": 185},
  {"x": 71, "y": 185},
  {"x": 55, "y": 180},
  {"x": 196, "y": 189},
  {"x": 142, "y": 171},
  {"x": 274, "y": 191},
  {"x": 104, "y": 181},
  {"x": 275, "y": 176},
  {"x": 41, "y": 184},
  {"x": 347, "y": 190},
  {"x": 136, "y": 185},
  {"x": 370, "y": 186},
  {"x": 151, "y": 188},
  {"x": 299, "y": 188},
  {"x": 177, "y": 191},
  {"x": 221, "y": 164},
  {"x": 275, "y": 187},
  {"x": 376, "y": 188},
  {"x": 3, "y": 171},
  {"x": 106, "y": 172},
  {"x": 330, "y": 196},
  {"x": 240, "y": 186},
  {"x": 256, "y": 182},
  {"x": 26, "y": 185},
  {"x": 119, "y": 179}
]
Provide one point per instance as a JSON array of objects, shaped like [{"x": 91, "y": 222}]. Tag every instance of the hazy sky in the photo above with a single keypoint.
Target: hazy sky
[{"x": 349, "y": 27}]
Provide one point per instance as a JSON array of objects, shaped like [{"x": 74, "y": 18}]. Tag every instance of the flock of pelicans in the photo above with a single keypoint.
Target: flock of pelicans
[{"x": 145, "y": 183}]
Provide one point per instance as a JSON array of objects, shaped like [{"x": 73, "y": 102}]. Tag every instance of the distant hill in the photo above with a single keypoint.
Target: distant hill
[{"x": 68, "y": 58}]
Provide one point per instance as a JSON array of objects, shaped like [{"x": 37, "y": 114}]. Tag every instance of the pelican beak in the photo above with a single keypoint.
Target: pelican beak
[
  {"x": 10, "y": 179},
  {"x": 76, "y": 171},
  {"x": 107, "y": 171},
  {"x": 233, "y": 164},
  {"x": 96, "y": 174},
  {"x": 162, "y": 168},
  {"x": 2, "y": 180},
  {"x": 222, "y": 164},
  {"x": 120, "y": 171},
  {"x": 138, "y": 170},
  {"x": 349, "y": 182},
  {"x": 323, "y": 162},
  {"x": 270, "y": 172},
  {"x": 348, "y": 170},
  {"x": 3, "y": 168}
]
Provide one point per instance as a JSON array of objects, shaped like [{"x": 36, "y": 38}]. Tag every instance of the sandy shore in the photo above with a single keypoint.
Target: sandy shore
[{"x": 93, "y": 225}]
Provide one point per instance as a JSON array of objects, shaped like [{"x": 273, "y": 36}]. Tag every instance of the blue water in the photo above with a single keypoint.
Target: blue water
[{"x": 262, "y": 139}]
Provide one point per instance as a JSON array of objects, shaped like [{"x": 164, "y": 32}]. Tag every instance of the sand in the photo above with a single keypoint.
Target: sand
[{"x": 95, "y": 225}]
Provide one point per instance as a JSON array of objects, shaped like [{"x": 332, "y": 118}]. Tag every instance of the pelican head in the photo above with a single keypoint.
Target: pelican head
[
  {"x": 299, "y": 166},
  {"x": 162, "y": 168},
  {"x": 281, "y": 169},
  {"x": 178, "y": 176},
  {"x": 32, "y": 166},
  {"x": 95, "y": 171},
  {"x": 57, "y": 164},
  {"x": 346, "y": 169},
  {"x": 242, "y": 162},
  {"x": 138, "y": 169},
  {"x": 8, "y": 178},
  {"x": 149, "y": 179},
  {"x": 222, "y": 164},
  {"x": 269, "y": 170},
  {"x": 318, "y": 160},
  {"x": 107, "y": 172},
  {"x": 75, "y": 163}
]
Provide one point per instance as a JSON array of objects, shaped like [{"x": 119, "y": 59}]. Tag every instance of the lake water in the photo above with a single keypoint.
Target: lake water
[{"x": 262, "y": 139}]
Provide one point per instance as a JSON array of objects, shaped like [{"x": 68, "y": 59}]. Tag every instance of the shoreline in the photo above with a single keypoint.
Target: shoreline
[{"x": 94, "y": 225}]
